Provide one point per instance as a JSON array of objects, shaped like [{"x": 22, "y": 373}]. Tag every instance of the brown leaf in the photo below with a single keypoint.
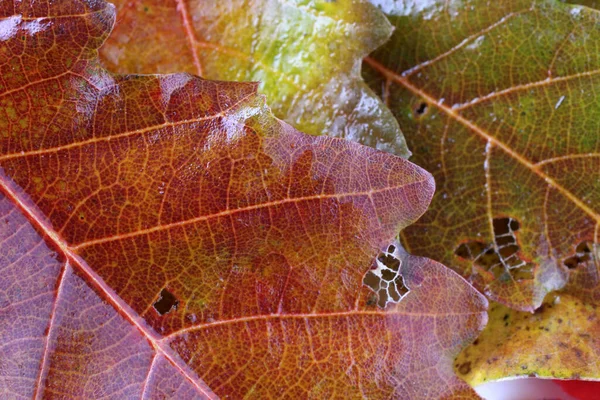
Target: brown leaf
[
  {"x": 166, "y": 236},
  {"x": 498, "y": 101}
]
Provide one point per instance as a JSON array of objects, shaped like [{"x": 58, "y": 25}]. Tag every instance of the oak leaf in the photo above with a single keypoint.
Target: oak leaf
[
  {"x": 498, "y": 101},
  {"x": 166, "y": 236}
]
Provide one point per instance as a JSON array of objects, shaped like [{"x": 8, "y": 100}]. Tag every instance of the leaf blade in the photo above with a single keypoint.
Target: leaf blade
[
  {"x": 479, "y": 135},
  {"x": 173, "y": 202},
  {"x": 293, "y": 48}
]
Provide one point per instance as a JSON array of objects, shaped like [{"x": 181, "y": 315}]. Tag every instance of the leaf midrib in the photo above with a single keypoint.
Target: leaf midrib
[
  {"x": 112, "y": 298},
  {"x": 452, "y": 113},
  {"x": 343, "y": 314}
]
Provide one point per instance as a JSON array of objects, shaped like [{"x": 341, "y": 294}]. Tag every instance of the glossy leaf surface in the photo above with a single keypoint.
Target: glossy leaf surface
[
  {"x": 166, "y": 236},
  {"x": 305, "y": 54},
  {"x": 499, "y": 101}
]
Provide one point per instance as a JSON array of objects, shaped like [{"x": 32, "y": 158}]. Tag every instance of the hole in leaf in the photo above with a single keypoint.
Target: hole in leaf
[
  {"x": 583, "y": 254},
  {"x": 501, "y": 257},
  {"x": 504, "y": 226},
  {"x": 391, "y": 262},
  {"x": 514, "y": 225},
  {"x": 166, "y": 302},
  {"x": 421, "y": 109},
  {"x": 385, "y": 280},
  {"x": 583, "y": 247}
]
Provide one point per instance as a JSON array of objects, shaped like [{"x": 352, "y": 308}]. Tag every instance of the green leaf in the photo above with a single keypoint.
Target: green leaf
[
  {"x": 500, "y": 102},
  {"x": 305, "y": 53}
]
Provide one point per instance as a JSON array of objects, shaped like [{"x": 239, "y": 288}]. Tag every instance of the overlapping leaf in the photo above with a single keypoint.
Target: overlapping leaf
[
  {"x": 305, "y": 53},
  {"x": 499, "y": 101},
  {"x": 560, "y": 340},
  {"x": 166, "y": 236}
]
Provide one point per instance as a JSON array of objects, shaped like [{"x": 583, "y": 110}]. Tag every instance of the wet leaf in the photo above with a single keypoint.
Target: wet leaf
[
  {"x": 499, "y": 101},
  {"x": 166, "y": 236},
  {"x": 305, "y": 53}
]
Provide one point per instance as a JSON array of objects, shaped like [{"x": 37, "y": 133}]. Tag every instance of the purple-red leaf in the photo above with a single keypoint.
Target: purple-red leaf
[{"x": 166, "y": 236}]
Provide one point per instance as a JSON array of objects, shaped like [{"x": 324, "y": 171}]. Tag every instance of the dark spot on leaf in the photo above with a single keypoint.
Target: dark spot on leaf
[
  {"x": 421, "y": 109},
  {"x": 465, "y": 368},
  {"x": 166, "y": 302},
  {"x": 463, "y": 251},
  {"x": 582, "y": 255}
]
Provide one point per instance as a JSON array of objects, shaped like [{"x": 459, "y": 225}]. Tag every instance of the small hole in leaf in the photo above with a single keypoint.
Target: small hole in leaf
[
  {"x": 508, "y": 251},
  {"x": 572, "y": 262},
  {"x": 383, "y": 298},
  {"x": 501, "y": 226},
  {"x": 514, "y": 225},
  {"x": 372, "y": 281},
  {"x": 166, "y": 302},
  {"x": 385, "y": 281},
  {"x": 400, "y": 287},
  {"x": 501, "y": 257},
  {"x": 463, "y": 251},
  {"x": 421, "y": 109},
  {"x": 582, "y": 255},
  {"x": 389, "y": 261},
  {"x": 583, "y": 247},
  {"x": 388, "y": 275},
  {"x": 505, "y": 240}
]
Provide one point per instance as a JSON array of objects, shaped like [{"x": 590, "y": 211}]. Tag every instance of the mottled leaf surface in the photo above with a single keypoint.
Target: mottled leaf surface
[
  {"x": 163, "y": 236},
  {"x": 306, "y": 54},
  {"x": 560, "y": 340},
  {"x": 499, "y": 101}
]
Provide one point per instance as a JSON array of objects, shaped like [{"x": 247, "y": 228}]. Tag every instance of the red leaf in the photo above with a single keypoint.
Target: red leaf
[{"x": 160, "y": 235}]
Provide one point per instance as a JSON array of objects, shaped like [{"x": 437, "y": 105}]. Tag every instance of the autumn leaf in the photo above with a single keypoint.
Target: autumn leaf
[
  {"x": 560, "y": 340},
  {"x": 498, "y": 101},
  {"x": 166, "y": 236},
  {"x": 306, "y": 54}
]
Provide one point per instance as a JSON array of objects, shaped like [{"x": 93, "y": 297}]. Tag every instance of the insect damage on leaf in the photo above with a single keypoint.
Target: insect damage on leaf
[
  {"x": 171, "y": 227},
  {"x": 507, "y": 130},
  {"x": 583, "y": 254},
  {"x": 510, "y": 131},
  {"x": 166, "y": 302},
  {"x": 385, "y": 279},
  {"x": 500, "y": 257}
]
